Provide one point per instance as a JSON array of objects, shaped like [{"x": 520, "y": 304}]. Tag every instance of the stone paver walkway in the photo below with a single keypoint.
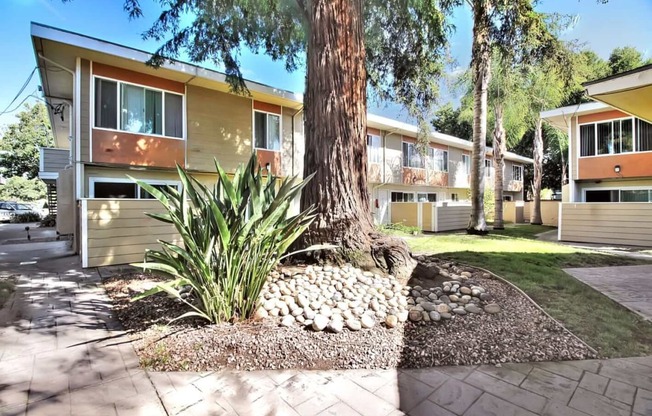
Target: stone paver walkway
[
  {"x": 631, "y": 286},
  {"x": 62, "y": 353},
  {"x": 573, "y": 388}
]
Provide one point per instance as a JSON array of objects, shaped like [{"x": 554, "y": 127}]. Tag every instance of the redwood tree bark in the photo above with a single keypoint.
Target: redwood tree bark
[
  {"x": 500, "y": 148},
  {"x": 336, "y": 148},
  {"x": 481, "y": 68},
  {"x": 535, "y": 217}
]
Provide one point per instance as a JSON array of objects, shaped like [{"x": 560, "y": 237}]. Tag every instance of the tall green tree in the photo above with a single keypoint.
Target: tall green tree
[
  {"x": 396, "y": 48},
  {"x": 625, "y": 58},
  {"x": 448, "y": 120},
  {"x": 19, "y": 147}
]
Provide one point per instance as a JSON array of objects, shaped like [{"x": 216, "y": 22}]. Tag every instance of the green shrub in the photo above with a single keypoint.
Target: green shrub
[
  {"x": 26, "y": 217},
  {"x": 49, "y": 220},
  {"x": 489, "y": 203},
  {"x": 18, "y": 188},
  {"x": 233, "y": 234}
]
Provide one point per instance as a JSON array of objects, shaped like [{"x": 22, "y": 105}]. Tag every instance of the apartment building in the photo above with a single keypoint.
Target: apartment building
[{"x": 119, "y": 119}]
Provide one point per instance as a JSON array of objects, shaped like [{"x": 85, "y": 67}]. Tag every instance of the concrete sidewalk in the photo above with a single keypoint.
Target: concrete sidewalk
[{"x": 62, "y": 352}]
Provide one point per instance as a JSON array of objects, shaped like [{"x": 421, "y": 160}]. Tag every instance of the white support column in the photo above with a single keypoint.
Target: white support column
[{"x": 84, "y": 232}]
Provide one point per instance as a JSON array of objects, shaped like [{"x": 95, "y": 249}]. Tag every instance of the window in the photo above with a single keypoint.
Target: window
[
  {"x": 607, "y": 195},
  {"x": 635, "y": 195},
  {"x": 426, "y": 197},
  {"x": 587, "y": 140},
  {"x": 507, "y": 198},
  {"x": 402, "y": 197},
  {"x": 141, "y": 109},
  {"x": 487, "y": 167},
  {"x": 411, "y": 156},
  {"x": 267, "y": 131},
  {"x": 517, "y": 173},
  {"x": 454, "y": 197},
  {"x": 643, "y": 136},
  {"x": 124, "y": 189},
  {"x": 466, "y": 162},
  {"x": 106, "y": 103},
  {"x": 615, "y": 137},
  {"x": 374, "y": 149},
  {"x": 438, "y": 159}
]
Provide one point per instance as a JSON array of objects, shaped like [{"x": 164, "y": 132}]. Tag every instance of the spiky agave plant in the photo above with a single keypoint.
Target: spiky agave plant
[{"x": 232, "y": 236}]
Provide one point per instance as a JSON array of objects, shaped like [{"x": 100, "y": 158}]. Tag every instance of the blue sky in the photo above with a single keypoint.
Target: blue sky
[{"x": 601, "y": 27}]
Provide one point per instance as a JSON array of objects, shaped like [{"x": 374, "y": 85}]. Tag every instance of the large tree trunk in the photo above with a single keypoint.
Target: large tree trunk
[
  {"x": 500, "y": 148},
  {"x": 481, "y": 68},
  {"x": 336, "y": 148},
  {"x": 538, "y": 173}
]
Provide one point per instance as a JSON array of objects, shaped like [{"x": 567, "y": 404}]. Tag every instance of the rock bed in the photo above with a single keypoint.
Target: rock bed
[
  {"x": 497, "y": 324},
  {"x": 332, "y": 298}
]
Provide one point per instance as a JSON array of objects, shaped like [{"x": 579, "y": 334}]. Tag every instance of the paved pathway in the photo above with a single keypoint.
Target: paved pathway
[
  {"x": 631, "y": 286},
  {"x": 61, "y": 352}
]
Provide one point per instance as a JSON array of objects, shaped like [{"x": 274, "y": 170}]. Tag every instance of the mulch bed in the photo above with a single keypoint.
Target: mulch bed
[{"x": 519, "y": 333}]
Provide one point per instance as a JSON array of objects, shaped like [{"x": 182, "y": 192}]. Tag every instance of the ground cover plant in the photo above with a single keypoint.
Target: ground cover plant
[
  {"x": 232, "y": 235},
  {"x": 536, "y": 267}
]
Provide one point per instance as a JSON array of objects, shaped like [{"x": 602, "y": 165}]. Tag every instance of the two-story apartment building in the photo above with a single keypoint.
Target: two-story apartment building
[
  {"x": 117, "y": 118},
  {"x": 610, "y": 168}
]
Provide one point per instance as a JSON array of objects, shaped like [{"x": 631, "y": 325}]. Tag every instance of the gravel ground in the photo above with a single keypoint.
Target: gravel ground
[{"x": 518, "y": 333}]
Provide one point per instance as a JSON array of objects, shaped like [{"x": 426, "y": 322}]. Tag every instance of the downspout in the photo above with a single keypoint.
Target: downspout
[{"x": 293, "y": 136}]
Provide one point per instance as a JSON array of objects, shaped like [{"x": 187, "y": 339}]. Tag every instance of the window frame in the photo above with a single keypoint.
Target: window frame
[
  {"x": 92, "y": 180},
  {"x": 467, "y": 165},
  {"x": 380, "y": 148},
  {"x": 414, "y": 197},
  {"x": 422, "y": 157},
  {"x": 432, "y": 151},
  {"x": 520, "y": 169},
  {"x": 427, "y": 194},
  {"x": 119, "y": 82},
  {"x": 635, "y": 121},
  {"x": 280, "y": 130},
  {"x": 620, "y": 195},
  {"x": 488, "y": 167}
]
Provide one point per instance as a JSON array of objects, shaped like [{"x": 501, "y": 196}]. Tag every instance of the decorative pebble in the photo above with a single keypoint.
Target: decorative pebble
[
  {"x": 391, "y": 321},
  {"x": 353, "y": 324},
  {"x": 319, "y": 323},
  {"x": 492, "y": 308}
]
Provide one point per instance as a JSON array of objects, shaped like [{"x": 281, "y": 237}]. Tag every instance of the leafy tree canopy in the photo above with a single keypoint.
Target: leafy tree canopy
[
  {"x": 624, "y": 59},
  {"x": 18, "y": 188},
  {"x": 404, "y": 41},
  {"x": 21, "y": 141}
]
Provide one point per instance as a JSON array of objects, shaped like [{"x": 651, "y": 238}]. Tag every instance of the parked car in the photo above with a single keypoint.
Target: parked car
[{"x": 9, "y": 209}]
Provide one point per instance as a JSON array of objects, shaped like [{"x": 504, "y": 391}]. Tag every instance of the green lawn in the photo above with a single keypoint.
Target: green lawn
[{"x": 536, "y": 267}]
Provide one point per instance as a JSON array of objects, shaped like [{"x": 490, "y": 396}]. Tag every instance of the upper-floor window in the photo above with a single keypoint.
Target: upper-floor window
[
  {"x": 411, "y": 156},
  {"x": 615, "y": 136},
  {"x": 374, "y": 148},
  {"x": 438, "y": 159},
  {"x": 466, "y": 162},
  {"x": 487, "y": 167},
  {"x": 137, "y": 109},
  {"x": 267, "y": 131},
  {"x": 517, "y": 173}
]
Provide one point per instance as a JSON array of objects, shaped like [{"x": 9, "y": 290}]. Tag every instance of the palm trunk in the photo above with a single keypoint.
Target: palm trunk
[
  {"x": 336, "y": 149},
  {"x": 535, "y": 217},
  {"x": 481, "y": 68},
  {"x": 500, "y": 149}
]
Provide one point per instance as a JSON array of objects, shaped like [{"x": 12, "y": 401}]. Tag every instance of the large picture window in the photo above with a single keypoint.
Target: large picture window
[
  {"x": 411, "y": 156},
  {"x": 374, "y": 148},
  {"x": 615, "y": 136},
  {"x": 136, "y": 109},
  {"x": 267, "y": 131}
]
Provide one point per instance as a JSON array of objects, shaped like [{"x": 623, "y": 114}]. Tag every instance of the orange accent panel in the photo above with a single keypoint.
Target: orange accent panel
[
  {"x": 605, "y": 115},
  {"x": 273, "y": 158},
  {"x": 409, "y": 139},
  {"x": 270, "y": 108},
  {"x": 137, "y": 78},
  {"x": 438, "y": 146},
  {"x": 413, "y": 176},
  {"x": 136, "y": 149},
  {"x": 632, "y": 165},
  {"x": 371, "y": 130},
  {"x": 439, "y": 179}
]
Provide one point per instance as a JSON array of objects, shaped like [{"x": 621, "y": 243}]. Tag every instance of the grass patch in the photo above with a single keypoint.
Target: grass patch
[
  {"x": 6, "y": 289},
  {"x": 398, "y": 229},
  {"x": 536, "y": 268}
]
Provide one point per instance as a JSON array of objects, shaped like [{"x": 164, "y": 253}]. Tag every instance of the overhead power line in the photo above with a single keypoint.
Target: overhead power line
[{"x": 25, "y": 84}]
